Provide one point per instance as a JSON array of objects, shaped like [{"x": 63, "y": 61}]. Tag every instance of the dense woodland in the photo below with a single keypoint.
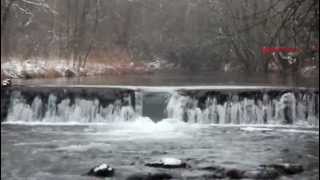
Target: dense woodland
[{"x": 192, "y": 34}]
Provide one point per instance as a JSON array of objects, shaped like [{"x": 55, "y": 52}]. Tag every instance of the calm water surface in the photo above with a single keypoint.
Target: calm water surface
[{"x": 181, "y": 79}]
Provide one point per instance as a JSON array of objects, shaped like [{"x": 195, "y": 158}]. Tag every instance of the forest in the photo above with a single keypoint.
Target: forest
[{"x": 195, "y": 35}]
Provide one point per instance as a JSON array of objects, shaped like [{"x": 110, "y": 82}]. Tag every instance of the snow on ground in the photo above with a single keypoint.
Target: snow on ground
[
  {"x": 34, "y": 68},
  {"x": 51, "y": 68}
]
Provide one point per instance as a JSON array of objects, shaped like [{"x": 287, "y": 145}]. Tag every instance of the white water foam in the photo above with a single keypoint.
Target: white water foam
[
  {"x": 256, "y": 129},
  {"x": 289, "y": 108}
]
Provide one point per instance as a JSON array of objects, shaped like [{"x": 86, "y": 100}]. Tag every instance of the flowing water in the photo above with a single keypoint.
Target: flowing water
[
  {"x": 61, "y": 131},
  {"x": 201, "y": 105},
  {"x": 66, "y": 152}
]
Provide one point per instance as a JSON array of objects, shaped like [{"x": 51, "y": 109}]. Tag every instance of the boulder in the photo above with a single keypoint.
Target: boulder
[
  {"x": 102, "y": 170},
  {"x": 167, "y": 162},
  {"x": 264, "y": 173},
  {"x": 286, "y": 168},
  {"x": 235, "y": 173}
]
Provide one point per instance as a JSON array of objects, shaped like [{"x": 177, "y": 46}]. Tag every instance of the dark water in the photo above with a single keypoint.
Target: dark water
[
  {"x": 182, "y": 79},
  {"x": 66, "y": 152}
]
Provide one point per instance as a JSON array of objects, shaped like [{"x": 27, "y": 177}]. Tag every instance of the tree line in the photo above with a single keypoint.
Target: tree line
[{"x": 193, "y": 34}]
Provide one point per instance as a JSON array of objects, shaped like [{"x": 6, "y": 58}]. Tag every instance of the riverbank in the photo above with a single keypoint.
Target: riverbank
[
  {"x": 48, "y": 69},
  {"x": 53, "y": 69}
]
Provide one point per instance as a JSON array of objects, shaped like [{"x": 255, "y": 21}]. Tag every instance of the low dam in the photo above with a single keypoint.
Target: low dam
[{"x": 199, "y": 104}]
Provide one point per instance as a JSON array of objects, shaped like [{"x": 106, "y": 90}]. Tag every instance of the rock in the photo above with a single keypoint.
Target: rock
[
  {"x": 286, "y": 168},
  {"x": 285, "y": 150},
  {"x": 158, "y": 152},
  {"x": 102, "y": 170},
  {"x": 235, "y": 173},
  {"x": 222, "y": 173},
  {"x": 272, "y": 171},
  {"x": 263, "y": 173},
  {"x": 167, "y": 163},
  {"x": 68, "y": 73},
  {"x": 6, "y": 83},
  {"x": 149, "y": 176},
  {"x": 216, "y": 172},
  {"x": 211, "y": 167}
]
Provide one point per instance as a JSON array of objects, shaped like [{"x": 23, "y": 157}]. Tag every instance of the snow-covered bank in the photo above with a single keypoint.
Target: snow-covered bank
[{"x": 61, "y": 68}]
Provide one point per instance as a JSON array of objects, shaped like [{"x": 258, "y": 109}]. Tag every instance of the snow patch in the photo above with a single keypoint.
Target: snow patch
[{"x": 52, "y": 68}]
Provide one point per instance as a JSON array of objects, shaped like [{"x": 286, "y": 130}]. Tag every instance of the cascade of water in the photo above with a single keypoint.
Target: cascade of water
[
  {"x": 299, "y": 108},
  {"x": 18, "y": 108},
  {"x": 138, "y": 102},
  {"x": 82, "y": 110},
  {"x": 175, "y": 107},
  {"x": 283, "y": 109},
  {"x": 52, "y": 106},
  {"x": 37, "y": 108}
]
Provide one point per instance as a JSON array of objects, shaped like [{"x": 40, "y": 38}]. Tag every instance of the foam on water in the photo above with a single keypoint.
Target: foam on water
[
  {"x": 144, "y": 127},
  {"x": 256, "y": 129},
  {"x": 299, "y": 131}
]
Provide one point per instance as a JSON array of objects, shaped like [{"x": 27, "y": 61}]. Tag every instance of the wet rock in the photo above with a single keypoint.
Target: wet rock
[
  {"x": 264, "y": 173},
  {"x": 102, "y": 170},
  {"x": 235, "y": 173},
  {"x": 210, "y": 167},
  {"x": 149, "y": 176},
  {"x": 286, "y": 168},
  {"x": 6, "y": 83},
  {"x": 158, "y": 152},
  {"x": 216, "y": 172},
  {"x": 219, "y": 173},
  {"x": 272, "y": 171},
  {"x": 285, "y": 150},
  {"x": 167, "y": 163}
]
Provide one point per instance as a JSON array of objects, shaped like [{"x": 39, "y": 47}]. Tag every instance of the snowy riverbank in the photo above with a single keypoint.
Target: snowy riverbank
[{"x": 61, "y": 68}]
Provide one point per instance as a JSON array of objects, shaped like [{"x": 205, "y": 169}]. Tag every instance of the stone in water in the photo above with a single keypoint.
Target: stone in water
[{"x": 103, "y": 170}]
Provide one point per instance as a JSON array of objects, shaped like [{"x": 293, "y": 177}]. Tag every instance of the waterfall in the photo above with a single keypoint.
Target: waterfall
[
  {"x": 81, "y": 110},
  {"x": 285, "y": 109},
  {"x": 208, "y": 107}
]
